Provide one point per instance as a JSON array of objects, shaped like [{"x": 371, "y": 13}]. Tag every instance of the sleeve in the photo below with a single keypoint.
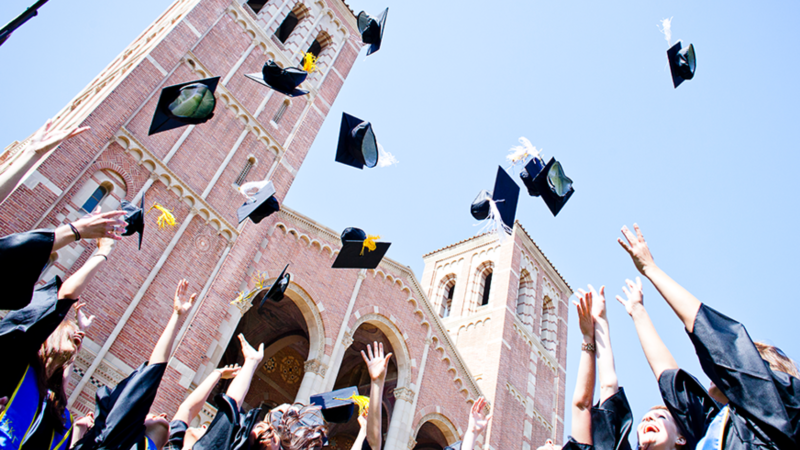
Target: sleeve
[
  {"x": 611, "y": 423},
  {"x": 246, "y": 424},
  {"x": 23, "y": 256},
  {"x": 731, "y": 360},
  {"x": 688, "y": 402},
  {"x": 572, "y": 444},
  {"x": 177, "y": 431},
  {"x": 365, "y": 445},
  {"x": 222, "y": 431}
]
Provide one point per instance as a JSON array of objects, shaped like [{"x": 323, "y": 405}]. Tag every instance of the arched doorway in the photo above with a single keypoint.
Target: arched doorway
[{"x": 435, "y": 433}]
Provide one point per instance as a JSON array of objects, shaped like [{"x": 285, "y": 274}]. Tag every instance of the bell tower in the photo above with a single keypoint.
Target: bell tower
[{"x": 506, "y": 307}]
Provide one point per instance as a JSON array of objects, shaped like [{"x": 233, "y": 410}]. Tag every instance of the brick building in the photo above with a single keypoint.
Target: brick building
[{"x": 487, "y": 319}]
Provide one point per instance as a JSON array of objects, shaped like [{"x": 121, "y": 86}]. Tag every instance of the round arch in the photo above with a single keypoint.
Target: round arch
[
  {"x": 312, "y": 315},
  {"x": 395, "y": 337},
  {"x": 443, "y": 423}
]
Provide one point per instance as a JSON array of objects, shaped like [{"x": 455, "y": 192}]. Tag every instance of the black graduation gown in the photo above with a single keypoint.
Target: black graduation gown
[
  {"x": 120, "y": 412},
  {"x": 22, "y": 257},
  {"x": 228, "y": 431},
  {"x": 611, "y": 423},
  {"x": 764, "y": 404},
  {"x": 689, "y": 403}
]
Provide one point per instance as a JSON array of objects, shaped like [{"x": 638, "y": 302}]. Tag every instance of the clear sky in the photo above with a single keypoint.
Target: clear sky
[{"x": 708, "y": 170}]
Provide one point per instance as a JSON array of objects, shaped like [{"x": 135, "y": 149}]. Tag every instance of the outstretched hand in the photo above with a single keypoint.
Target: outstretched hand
[
  {"x": 377, "y": 363},
  {"x": 477, "y": 419},
  {"x": 47, "y": 138},
  {"x": 85, "y": 422},
  {"x": 637, "y": 248},
  {"x": 597, "y": 299},
  {"x": 98, "y": 224},
  {"x": 180, "y": 304},
  {"x": 249, "y": 352},
  {"x": 634, "y": 294},
  {"x": 229, "y": 371},
  {"x": 585, "y": 319},
  {"x": 84, "y": 322}
]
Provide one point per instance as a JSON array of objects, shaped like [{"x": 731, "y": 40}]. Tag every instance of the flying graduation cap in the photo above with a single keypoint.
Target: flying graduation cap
[
  {"x": 337, "y": 406},
  {"x": 358, "y": 146},
  {"x": 134, "y": 215},
  {"x": 371, "y": 29},
  {"x": 499, "y": 206},
  {"x": 282, "y": 80},
  {"x": 259, "y": 205},
  {"x": 360, "y": 251},
  {"x": 183, "y": 104},
  {"x": 278, "y": 288},
  {"x": 549, "y": 182},
  {"x": 682, "y": 63}
]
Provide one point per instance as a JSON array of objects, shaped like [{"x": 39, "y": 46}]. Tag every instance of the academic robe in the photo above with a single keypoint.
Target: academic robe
[
  {"x": 22, "y": 257},
  {"x": 764, "y": 404},
  {"x": 689, "y": 403},
  {"x": 228, "y": 431},
  {"x": 611, "y": 424}
]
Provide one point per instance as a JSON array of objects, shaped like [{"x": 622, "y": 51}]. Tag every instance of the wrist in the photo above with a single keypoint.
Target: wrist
[
  {"x": 649, "y": 269},
  {"x": 588, "y": 338}
]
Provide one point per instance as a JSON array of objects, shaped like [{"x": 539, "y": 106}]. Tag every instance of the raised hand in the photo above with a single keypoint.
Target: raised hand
[
  {"x": 376, "y": 362},
  {"x": 105, "y": 246},
  {"x": 249, "y": 352},
  {"x": 229, "y": 371},
  {"x": 597, "y": 299},
  {"x": 101, "y": 225},
  {"x": 634, "y": 294},
  {"x": 84, "y": 322},
  {"x": 637, "y": 248},
  {"x": 47, "y": 139},
  {"x": 180, "y": 304},
  {"x": 585, "y": 319},
  {"x": 477, "y": 419},
  {"x": 85, "y": 422}
]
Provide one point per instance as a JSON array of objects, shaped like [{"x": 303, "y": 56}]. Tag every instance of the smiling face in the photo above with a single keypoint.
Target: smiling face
[{"x": 658, "y": 431}]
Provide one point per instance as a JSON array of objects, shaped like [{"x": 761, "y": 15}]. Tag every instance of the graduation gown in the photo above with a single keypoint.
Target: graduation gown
[
  {"x": 22, "y": 257},
  {"x": 228, "y": 431},
  {"x": 764, "y": 404},
  {"x": 689, "y": 403},
  {"x": 120, "y": 412}
]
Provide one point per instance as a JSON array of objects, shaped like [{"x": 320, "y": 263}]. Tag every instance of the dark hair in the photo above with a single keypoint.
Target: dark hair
[
  {"x": 53, "y": 387},
  {"x": 299, "y": 427}
]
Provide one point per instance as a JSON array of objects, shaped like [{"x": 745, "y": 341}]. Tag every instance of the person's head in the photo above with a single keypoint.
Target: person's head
[
  {"x": 156, "y": 427},
  {"x": 290, "y": 427},
  {"x": 193, "y": 434},
  {"x": 659, "y": 431}
]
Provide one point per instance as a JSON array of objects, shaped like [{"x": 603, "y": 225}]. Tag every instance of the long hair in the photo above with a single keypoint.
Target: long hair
[
  {"x": 299, "y": 427},
  {"x": 777, "y": 360},
  {"x": 53, "y": 386}
]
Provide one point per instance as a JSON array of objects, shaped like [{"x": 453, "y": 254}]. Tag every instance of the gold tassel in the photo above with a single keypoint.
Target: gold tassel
[
  {"x": 361, "y": 400},
  {"x": 166, "y": 218},
  {"x": 369, "y": 244},
  {"x": 309, "y": 63},
  {"x": 259, "y": 279}
]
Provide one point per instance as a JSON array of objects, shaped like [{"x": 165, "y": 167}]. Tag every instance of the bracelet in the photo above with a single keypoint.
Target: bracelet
[
  {"x": 75, "y": 232},
  {"x": 104, "y": 256},
  {"x": 587, "y": 347}
]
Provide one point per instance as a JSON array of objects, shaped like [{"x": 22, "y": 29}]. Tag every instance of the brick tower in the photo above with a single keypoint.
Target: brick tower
[{"x": 505, "y": 307}]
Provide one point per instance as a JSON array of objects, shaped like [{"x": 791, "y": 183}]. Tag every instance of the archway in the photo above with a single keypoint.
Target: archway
[{"x": 435, "y": 433}]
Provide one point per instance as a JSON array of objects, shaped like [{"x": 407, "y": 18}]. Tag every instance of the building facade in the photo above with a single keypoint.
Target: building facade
[{"x": 443, "y": 360}]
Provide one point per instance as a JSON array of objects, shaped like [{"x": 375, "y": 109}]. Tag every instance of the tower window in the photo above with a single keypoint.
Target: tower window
[
  {"x": 245, "y": 170},
  {"x": 256, "y": 5},
  {"x": 98, "y": 196},
  {"x": 285, "y": 30},
  {"x": 281, "y": 110},
  {"x": 447, "y": 301},
  {"x": 314, "y": 49},
  {"x": 487, "y": 287}
]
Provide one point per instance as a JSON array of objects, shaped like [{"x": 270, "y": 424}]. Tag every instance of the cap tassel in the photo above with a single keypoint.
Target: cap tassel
[
  {"x": 309, "y": 63},
  {"x": 361, "y": 400},
  {"x": 520, "y": 153},
  {"x": 259, "y": 279},
  {"x": 369, "y": 244},
  {"x": 166, "y": 218},
  {"x": 494, "y": 223}
]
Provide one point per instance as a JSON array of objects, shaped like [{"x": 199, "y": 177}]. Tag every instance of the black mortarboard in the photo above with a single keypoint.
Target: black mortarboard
[
  {"x": 528, "y": 174},
  {"x": 134, "y": 215},
  {"x": 261, "y": 205},
  {"x": 276, "y": 291},
  {"x": 371, "y": 29},
  {"x": 357, "y": 144},
  {"x": 333, "y": 408},
  {"x": 353, "y": 255},
  {"x": 505, "y": 195},
  {"x": 682, "y": 63},
  {"x": 554, "y": 187},
  {"x": 183, "y": 104},
  {"x": 282, "y": 80},
  {"x": 23, "y": 256}
]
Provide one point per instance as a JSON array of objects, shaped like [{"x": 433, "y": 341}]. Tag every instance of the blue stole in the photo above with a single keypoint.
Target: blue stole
[
  {"x": 62, "y": 441},
  {"x": 20, "y": 413},
  {"x": 715, "y": 434}
]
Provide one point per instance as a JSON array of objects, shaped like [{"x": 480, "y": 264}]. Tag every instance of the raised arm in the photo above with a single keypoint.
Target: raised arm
[
  {"x": 657, "y": 354},
  {"x": 241, "y": 384},
  {"x": 358, "y": 444},
  {"x": 179, "y": 307},
  {"x": 477, "y": 423},
  {"x": 193, "y": 404},
  {"x": 602, "y": 340},
  {"x": 679, "y": 299},
  {"x": 377, "y": 364},
  {"x": 583, "y": 397},
  {"x": 95, "y": 225},
  {"x": 74, "y": 286}
]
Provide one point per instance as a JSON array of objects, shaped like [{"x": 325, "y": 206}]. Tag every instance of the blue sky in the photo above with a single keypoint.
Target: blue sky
[{"x": 707, "y": 170}]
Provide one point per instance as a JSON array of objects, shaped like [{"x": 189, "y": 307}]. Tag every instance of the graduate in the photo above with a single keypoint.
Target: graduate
[
  {"x": 377, "y": 365},
  {"x": 121, "y": 419},
  {"x": 758, "y": 385},
  {"x": 289, "y": 427},
  {"x": 38, "y": 350}
]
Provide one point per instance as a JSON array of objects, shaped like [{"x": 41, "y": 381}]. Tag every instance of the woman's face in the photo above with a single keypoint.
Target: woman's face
[{"x": 658, "y": 431}]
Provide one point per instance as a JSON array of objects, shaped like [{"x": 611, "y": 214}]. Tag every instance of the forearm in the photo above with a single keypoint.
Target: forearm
[
  {"x": 241, "y": 384},
  {"x": 679, "y": 299},
  {"x": 584, "y": 395},
  {"x": 193, "y": 404},
  {"x": 11, "y": 177},
  {"x": 359, "y": 442},
  {"x": 164, "y": 345},
  {"x": 74, "y": 286},
  {"x": 63, "y": 237},
  {"x": 657, "y": 354},
  {"x": 374, "y": 418},
  {"x": 77, "y": 435},
  {"x": 468, "y": 441},
  {"x": 605, "y": 360}
]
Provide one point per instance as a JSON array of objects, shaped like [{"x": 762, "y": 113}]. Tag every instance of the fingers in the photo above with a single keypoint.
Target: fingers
[
  {"x": 78, "y": 131},
  {"x": 364, "y": 355},
  {"x": 603, "y": 291},
  {"x": 628, "y": 235},
  {"x": 625, "y": 246},
  {"x": 626, "y": 291},
  {"x": 380, "y": 349},
  {"x": 261, "y": 349},
  {"x": 638, "y": 232},
  {"x": 191, "y": 299},
  {"x": 386, "y": 361},
  {"x": 624, "y": 303},
  {"x": 243, "y": 342},
  {"x": 369, "y": 353},
  {"x": 592, "y": 290}
]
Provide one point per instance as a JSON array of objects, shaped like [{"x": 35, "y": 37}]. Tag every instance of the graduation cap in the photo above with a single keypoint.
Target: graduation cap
[
  {"x": 23, "y": 257},
  {"x": 682, "y": 62},
  {"x": 528, "y": 174},
  {"x": 360, "y": 251},
  {"x": 260, "y": 205},
  {"x": 554, "y": 187},
  {"x": 357, "y": 144},
  {"x": 282, "y": 80},
  {"x": 278, "y": 288},
  {"x": 371, "y": 29},
  {"x": 505, "y": 197},
  {"x": 183, "y": 104},
  {"x": 336, "y": 405},
  {"x": 134, "y": 215}
]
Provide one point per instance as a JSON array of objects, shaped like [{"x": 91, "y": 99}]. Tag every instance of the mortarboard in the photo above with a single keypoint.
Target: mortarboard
[
  {"x": 357, "y": 144},
  {"x": 276, "y": 291},
  {"x": 260, "y": 205},
  {"x": 682, "y": 63},
  {"x": 505, "y": 196},
  {"x": 371, "y": 29},
  {"x": 360, "y": 251},
  {"x": 528, "y": 174},
  {"x": 134, "y": 215},
  {"x": 554, "y": 187},
  {"x": 23, "y": 257},
  {"x": 334, "y": 409},
  {"x": 183, "y": 104},
  {"x": 282, "y": 80}
]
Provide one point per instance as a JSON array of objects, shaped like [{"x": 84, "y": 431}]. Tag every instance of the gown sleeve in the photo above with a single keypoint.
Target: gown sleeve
[
  {"x": 221, "y": 433},
  {"x": 177, "y": 432},
  {"x": 689, "y": 403},
  {"x": 22, "y": 257},
  {"x": 731, "y": 360},
  {"x": 572, "y": 444},
  {"x": 611, "y": 423}
]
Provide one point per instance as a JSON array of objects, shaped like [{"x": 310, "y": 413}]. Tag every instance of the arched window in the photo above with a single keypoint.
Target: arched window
[
  {"x": 281, "y": 110},
  {"x": 251, "y": 161},
  {"x": 525, "y": 298},
  {"x": 256, "y": 5},
  {"x": 315, "y": 49},
  {"x": 447, "y": 300},
  {"x": 486, "y": 287},
  {"x": 97, "y": 196},
  {"x": 285, "y": 30},
  {"x": 549, "y": 327}
]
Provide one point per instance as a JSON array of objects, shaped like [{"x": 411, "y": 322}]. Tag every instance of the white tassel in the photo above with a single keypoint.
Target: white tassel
[
  {"x": 666, "y": 28},
  {"x": 493, "y": 223},
  {"x": 250, "y": 189},
  {"x": 520, "y": 153},
  {"x": 385, "y": 159}
]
